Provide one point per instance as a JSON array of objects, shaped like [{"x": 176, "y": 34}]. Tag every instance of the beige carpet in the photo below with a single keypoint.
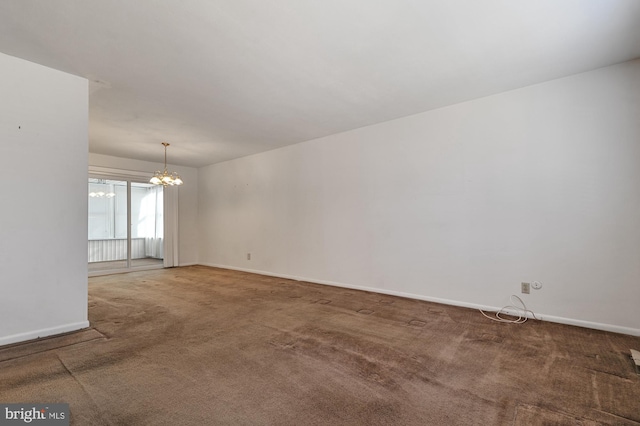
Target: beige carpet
[{"x": 198, "y": 345}]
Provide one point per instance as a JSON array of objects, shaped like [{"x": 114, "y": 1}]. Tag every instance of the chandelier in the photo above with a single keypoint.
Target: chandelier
[
  {"x": 165, "y": 178},
  {"x": 101, "y": 194}
]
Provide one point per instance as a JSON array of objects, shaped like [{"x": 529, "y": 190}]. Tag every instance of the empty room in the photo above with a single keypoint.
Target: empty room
[{"x": 319, "y": 212}]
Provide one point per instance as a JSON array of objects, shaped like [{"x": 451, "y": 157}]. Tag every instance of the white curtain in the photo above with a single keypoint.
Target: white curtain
[
  {"x": 152, "y": 208},
  {"x": 171, "y": 226}
]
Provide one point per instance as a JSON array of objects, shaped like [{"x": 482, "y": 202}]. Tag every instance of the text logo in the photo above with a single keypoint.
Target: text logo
[{"x": 34, "y": 414}]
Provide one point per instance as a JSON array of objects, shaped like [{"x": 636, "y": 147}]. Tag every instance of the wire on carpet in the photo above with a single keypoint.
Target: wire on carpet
[{"x": 521, "y": 312}]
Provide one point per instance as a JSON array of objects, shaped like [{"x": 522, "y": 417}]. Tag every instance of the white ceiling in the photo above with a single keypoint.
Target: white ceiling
[{"x": 221, "y": 79}]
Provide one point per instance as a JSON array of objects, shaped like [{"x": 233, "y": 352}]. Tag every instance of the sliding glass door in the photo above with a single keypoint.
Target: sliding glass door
[
  {"x": 147, "y": 224},
  {"x": 126, "y": 225}
]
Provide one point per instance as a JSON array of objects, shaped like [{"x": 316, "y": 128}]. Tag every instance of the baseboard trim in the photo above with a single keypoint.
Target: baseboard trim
[
  {"x": 45, "y": 332},
  {"x": 551, "y": 318}
]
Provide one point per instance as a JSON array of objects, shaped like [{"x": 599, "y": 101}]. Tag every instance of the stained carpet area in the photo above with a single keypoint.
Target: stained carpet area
[
  {"x": 199, "y": 345},
  {"x": 19, "y": 350}
]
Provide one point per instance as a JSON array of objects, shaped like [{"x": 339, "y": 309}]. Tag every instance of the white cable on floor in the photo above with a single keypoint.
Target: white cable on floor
[{"x": 521, "y": 312}]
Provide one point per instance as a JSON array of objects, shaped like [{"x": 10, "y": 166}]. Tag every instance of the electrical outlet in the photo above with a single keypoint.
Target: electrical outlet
[
  {"x": 537, "y": 285},
  {"x": 248, "y": 256},
  {"x": 525, "y": 287}
]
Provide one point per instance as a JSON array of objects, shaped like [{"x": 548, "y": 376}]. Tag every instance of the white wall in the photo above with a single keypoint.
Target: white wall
[
  {"x": 459, "y": 204},
  {"x": 43, "y": 214},
  {"x": 187, "y": 198}
]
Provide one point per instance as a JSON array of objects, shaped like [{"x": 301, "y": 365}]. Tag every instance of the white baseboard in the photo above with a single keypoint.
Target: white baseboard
[
  {"x": 36, "y": 334},
  {"x": 189, "y": 264},
  {"x": 551, "y": 318}
]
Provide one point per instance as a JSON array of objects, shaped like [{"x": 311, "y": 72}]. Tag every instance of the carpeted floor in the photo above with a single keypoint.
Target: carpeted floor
[{"x": 199, "y": 345}]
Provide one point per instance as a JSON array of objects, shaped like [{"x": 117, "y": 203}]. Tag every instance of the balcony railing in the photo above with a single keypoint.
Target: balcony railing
[{"x": 116, "y": 249}]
